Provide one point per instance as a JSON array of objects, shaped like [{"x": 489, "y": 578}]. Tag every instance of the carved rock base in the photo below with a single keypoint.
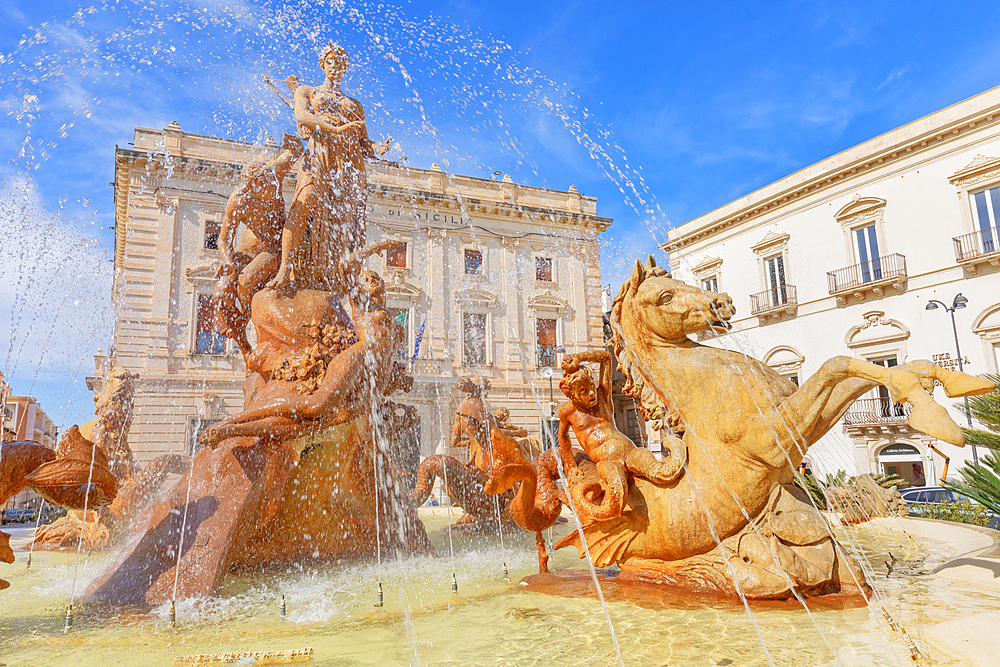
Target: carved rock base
[{"x": 788, "y": 546}]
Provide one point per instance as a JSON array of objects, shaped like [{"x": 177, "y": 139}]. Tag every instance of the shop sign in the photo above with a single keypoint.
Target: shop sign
[
  {"x": 944, "y": 360},
  {"x": 899, "y": 449}
]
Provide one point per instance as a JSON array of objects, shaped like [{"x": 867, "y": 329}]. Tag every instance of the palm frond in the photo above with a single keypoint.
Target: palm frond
[{"x": 980, "y": 481}]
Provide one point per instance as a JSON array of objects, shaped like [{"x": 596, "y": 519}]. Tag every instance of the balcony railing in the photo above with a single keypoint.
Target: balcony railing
[
  {"x": 876, "y": 411},
  {"x": 773, "y": 299},
  {"x": 977, "y": 244},
  {"x": 877, "y": 271}
]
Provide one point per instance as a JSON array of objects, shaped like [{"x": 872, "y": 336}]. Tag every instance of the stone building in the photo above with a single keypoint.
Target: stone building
[
  {"x": 24, "y": 419},
  {"x": 492, "y": 279},
  {"x": 6, "y": 413},
  {"x": 843, "y": 258}
]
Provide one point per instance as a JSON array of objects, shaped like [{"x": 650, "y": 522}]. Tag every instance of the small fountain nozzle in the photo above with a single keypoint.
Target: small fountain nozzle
[
  {"x": 173, "y": 615},
  {"x": 282, "y": 610},
  {"x": 378, "y": 603},
  {"x": 892, "y": 622},
  {"x": 914, "y": 651},
  {"x": 506, "y": 576},
  {"x": 69, "y": 619},
  {"x": 454, "y": 584}
]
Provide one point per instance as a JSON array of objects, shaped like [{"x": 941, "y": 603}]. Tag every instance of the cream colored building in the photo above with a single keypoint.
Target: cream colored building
[
  {"x": 6, "y": 413},
  {"x": 490, "y": 271},
  {"x": 24, "y": 419},
  {"x": 842, "y": 258}
]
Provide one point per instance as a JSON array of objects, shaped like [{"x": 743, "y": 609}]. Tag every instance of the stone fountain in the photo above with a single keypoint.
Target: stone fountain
[
  {"x": 302, "y": 472},
  {"x": 303, "y": 475}
]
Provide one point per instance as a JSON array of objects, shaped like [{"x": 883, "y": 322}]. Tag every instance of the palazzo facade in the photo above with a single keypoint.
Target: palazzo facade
[
  {"x": 492, "y": 279},
  {"x": 843, "y": 258}
]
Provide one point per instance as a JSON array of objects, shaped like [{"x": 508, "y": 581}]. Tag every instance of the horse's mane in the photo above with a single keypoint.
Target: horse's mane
[{"x": 653, "y": 406}]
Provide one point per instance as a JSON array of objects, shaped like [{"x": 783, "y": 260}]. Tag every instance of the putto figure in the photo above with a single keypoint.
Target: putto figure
[
  {"x": 474, "y": 427},
  {"x": 590, "y": 414}
]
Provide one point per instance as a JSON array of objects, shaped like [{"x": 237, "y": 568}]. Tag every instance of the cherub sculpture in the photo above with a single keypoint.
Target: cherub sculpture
[
  {"x": 477, "y": 429},
  {"x": 502, "y": 416},
  {"x": 590, "y": 415}
]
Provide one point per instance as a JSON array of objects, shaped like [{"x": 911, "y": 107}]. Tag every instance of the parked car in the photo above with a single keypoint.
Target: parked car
[
  {"x": 936, "y": 494},
  {"x": 19, "y": 515},
  {"x": 927, "y": 494}
]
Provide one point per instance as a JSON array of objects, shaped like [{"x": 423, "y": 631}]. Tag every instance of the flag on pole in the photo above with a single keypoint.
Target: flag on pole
[{"x": 420, "y": 336}]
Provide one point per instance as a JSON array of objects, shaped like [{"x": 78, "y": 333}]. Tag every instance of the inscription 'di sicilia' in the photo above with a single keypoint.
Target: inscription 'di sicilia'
[{"x": 426, "y": 216}]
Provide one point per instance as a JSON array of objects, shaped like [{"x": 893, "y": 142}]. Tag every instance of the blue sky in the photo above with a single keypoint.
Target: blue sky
[{"x": 685, "y": 106}]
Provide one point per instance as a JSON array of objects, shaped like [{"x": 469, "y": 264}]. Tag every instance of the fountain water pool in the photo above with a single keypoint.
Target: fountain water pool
[{"x": 330, "y": 608}]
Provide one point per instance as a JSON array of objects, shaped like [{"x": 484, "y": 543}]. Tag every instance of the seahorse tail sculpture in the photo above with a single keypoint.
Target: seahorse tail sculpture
[{"x": 537, "y": 502}]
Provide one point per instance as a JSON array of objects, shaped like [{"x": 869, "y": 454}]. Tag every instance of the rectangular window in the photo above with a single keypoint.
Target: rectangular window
[
  {"x": 212, "y": 229},
  {"x": 545, "y": 331},
  {"x": 473, "y": 262},
  {"x": 775, "y": 269},
  {"x": 710, "y": 284},
  {"x": 793, "y": 378},
  {"x": 396, "y": 257},
  {"x": 543, "y": 269},
  {"x": 868, "y": 257},
  {"x": 474, "y": 339},
  {"x": 986, "y": 206},
  {"x": 208, "y": 341}
]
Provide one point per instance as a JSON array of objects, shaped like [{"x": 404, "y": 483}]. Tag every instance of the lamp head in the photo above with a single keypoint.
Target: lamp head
[
  {"x": 931, "y": 305},
  {"x": 959, "y": 302},
  {"x": 561, "y": 350}
]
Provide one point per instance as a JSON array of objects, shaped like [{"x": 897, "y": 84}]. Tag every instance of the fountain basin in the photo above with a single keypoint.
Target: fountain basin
[{"x": 330, "y": 608}]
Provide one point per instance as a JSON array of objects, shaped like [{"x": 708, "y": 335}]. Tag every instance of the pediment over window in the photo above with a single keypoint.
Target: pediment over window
[
  {"x": 987, "y": 324},
  {"x": 772, "y": 242},
  {"x": 860, "y": 209},
  {"x": 402, "y": 292},
  {"x": 200, "y": 276},
  {"x": 476, "y": 297},
  {"x": 784, "y": 359},
  {"x": 876, "y": 329},
  {"x": 982, "y": 168},
  {"x": 547, "y": 301},
  {"x": 707, "y": 266}
]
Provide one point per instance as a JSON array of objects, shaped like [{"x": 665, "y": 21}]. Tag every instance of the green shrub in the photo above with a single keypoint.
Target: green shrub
[{"x": 961, "y": 511}]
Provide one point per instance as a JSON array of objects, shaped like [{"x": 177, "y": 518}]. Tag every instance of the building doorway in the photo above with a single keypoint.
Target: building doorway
[{"x": 903, "y": 461}]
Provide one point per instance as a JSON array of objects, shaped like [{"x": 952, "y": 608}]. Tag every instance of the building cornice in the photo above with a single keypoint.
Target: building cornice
[{"x": 938, "y": 128}]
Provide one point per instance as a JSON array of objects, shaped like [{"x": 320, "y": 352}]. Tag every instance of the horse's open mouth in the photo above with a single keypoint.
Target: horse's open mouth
[{"x": 721, "y": 325}]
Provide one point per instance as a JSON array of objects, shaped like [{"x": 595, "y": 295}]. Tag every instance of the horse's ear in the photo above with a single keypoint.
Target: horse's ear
[
  {"x": 638, "y": 274},
  {"x": 650, "y": 262}
]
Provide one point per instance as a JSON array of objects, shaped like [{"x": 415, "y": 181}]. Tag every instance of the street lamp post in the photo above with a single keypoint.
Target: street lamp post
[
  {"x": 548, "y": 373},
  {"x": 959, "y": 302}
]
